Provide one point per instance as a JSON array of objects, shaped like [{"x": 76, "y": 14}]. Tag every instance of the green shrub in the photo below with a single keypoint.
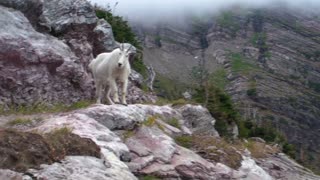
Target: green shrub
[
  {"x": 289, "y": 149},
  {"x": 252, "y": 92}
]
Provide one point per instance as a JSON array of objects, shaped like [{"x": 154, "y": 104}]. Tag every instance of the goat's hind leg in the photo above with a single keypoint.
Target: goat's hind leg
[{"x": 108, "y": 92}]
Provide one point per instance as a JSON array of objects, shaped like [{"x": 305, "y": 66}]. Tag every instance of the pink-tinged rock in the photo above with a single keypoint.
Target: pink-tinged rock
[
  {"x": 37, "y": 67},
  {"x": 159, "y": 144},
  {"x": 6, "y": 174},
  {"x": 280, "y": 166},
  {"x": 81, "y": 168}
]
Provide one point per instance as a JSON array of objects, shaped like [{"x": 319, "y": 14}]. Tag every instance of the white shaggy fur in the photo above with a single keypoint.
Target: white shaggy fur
[{"x": 107, "y": 69}]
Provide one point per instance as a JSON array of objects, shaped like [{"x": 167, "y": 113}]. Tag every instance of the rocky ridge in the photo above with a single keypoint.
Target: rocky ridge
[{"x": 139, "y": 142}]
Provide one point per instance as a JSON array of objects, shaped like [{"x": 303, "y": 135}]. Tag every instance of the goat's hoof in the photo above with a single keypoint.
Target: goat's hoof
[{"x": 125, "y": 104}]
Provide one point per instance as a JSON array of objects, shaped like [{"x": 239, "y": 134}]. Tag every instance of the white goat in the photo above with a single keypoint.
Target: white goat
[{"x": 107, "y": 69}]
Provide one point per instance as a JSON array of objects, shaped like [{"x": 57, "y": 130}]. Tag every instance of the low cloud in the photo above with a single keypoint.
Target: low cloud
[{"x": 149, "y": 10}]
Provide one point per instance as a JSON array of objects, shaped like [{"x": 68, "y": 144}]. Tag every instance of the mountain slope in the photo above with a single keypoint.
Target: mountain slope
[{"x": 271, "y": 62}]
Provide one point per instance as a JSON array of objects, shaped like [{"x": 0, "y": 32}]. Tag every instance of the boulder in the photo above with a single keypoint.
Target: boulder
[
  {"x": 60, "y": 16},
  {"x": 198, "y": 120}
]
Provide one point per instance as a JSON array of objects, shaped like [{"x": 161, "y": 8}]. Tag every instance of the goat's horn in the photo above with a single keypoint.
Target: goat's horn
[{"x": 129, "y": 48}]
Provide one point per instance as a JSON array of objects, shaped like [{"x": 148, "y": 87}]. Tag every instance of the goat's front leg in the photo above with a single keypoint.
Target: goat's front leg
[
  {"x": 98, "y": 92},
  {"x": 124, "y": 91},
  {"x": 114, "y": 91}
]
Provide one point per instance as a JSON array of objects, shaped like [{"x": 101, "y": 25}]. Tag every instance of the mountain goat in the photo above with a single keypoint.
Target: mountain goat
[{"x": 107, "y": 69}]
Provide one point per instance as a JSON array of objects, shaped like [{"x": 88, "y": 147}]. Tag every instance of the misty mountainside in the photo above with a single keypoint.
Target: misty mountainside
[{"x": 267, "y": 60}]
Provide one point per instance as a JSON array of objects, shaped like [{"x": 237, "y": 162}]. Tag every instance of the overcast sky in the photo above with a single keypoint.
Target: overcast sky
[{"x": 149, "y": 9}]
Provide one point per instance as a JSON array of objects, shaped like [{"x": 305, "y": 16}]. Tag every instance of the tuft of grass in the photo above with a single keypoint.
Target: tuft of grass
[
  {"x": 42, "y": 108},
  {"x": 61, "y": 131},
  {"x": 184, "y": 141},
  {"x": 19, "y": 121},
  {"x": 150, "y": 121},
  {"x": 128, "y": 134},
  {"x": 148, "y": 177},
  {"x": 174, "y": 122},
  {"x": 260, "y": 150},
  {"x": 219, "y": 150},
  {"x": 179, "y": 102}
]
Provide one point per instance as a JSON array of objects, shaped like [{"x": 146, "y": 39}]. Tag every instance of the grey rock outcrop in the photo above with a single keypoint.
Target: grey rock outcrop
[
  {"x": 104, "y": 37},
  {"x": 59, "y": 15},
  {"x": 36, "y": 67},
  {"x": 44, "y": 57}
]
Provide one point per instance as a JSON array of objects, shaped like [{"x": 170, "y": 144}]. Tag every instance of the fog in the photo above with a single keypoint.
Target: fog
[{"x": 150, "y": 10}]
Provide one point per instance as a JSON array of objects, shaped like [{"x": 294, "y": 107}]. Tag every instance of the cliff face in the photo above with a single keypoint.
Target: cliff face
[
  {"x": 46, "y": 47},
  {"x": 270, "y": 58}
]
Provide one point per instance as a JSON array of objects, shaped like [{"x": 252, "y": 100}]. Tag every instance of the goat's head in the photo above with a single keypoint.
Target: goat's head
[{"x": 123, "y": 56}]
